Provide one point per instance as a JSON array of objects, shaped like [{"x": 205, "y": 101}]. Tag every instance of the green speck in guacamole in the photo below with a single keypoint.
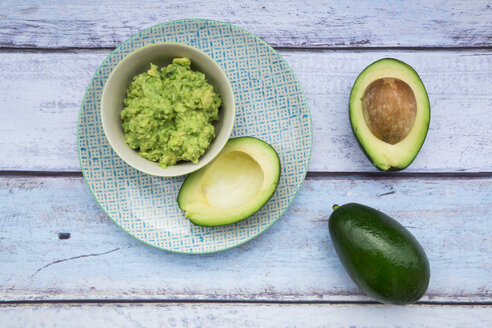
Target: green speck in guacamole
[{"x": 169, "y": 114}]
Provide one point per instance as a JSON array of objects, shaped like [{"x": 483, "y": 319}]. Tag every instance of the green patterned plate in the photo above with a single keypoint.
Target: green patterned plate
[{"x": 270, "y": 105}]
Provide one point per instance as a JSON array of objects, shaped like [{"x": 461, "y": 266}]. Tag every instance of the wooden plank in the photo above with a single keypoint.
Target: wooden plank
[
  {"x": 243, "y": 315},
  {"x": 281, "y": 23},
  {"x": 41, "y": 94},
  {"x": 293, "y": 260}
]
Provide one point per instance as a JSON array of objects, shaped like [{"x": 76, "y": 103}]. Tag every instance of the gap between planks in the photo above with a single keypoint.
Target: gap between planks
[
  {"x": 283, "y": 48},
  {"x": 170, "y": 301},
  {"x": 309, "y": 176}
]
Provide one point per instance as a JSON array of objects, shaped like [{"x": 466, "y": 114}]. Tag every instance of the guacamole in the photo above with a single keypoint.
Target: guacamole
[{"x": 169, "y": 113}]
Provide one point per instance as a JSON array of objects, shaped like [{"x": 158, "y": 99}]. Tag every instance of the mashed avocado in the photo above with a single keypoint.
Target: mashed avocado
[{"x": 168, "y": 114}]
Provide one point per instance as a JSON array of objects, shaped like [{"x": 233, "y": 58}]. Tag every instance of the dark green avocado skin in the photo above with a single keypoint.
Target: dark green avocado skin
[{"x": 382, "y": 257}]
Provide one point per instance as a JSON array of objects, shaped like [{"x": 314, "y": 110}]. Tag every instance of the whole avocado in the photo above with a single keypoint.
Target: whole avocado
[{"x": 382, "y": 257}]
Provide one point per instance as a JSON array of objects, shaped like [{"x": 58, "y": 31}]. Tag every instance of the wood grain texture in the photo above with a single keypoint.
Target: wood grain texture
[
  {"x": 93, "y": 24},
  {"x": 41, "y": 95},
  {"x": 242, "y": 315},
  {"x": 293, "y": 260}
]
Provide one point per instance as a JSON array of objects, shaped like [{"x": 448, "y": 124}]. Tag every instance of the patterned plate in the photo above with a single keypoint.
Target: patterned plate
[{"x": 270, "y": 105}]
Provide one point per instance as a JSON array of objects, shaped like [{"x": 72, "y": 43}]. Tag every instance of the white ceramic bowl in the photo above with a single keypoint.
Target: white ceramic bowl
[{"x": 137, "y": 62}]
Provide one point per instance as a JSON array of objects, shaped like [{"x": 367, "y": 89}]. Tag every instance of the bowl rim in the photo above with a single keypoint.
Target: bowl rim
[{"x": 200, "y": 164}]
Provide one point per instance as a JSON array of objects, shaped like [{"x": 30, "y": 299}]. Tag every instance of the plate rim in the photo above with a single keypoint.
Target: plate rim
[{"x": 308, "y": 158}]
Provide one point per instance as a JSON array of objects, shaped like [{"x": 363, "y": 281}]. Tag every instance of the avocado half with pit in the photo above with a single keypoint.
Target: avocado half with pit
[
  {"x": 236, "y": 184},
  {"x": 389, "y": 113}
]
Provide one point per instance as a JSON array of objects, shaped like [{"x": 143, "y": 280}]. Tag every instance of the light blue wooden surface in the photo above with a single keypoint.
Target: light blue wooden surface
[
  {"x": 293, "y": 260},
  {"x": 48, "y": 53},
  {"x": 458, "y": 81},
  {"x": 302, "y": 23},
  {"x": 242, "y": 315}
]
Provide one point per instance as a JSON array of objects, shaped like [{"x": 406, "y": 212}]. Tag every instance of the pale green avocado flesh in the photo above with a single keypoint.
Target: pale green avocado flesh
[
  {"x": 235, "y": 185},
  {"x": 389, "y": 113},
  {"x": 169, "y": 113}
]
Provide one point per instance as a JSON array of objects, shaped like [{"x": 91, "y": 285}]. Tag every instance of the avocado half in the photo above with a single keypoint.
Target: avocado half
[
  {"x": 236, "y": 184},
  {"x": 389, "y": 113}
]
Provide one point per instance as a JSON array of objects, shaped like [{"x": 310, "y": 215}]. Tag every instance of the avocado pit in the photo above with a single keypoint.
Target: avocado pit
[{"x": 389, "y": 108}]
